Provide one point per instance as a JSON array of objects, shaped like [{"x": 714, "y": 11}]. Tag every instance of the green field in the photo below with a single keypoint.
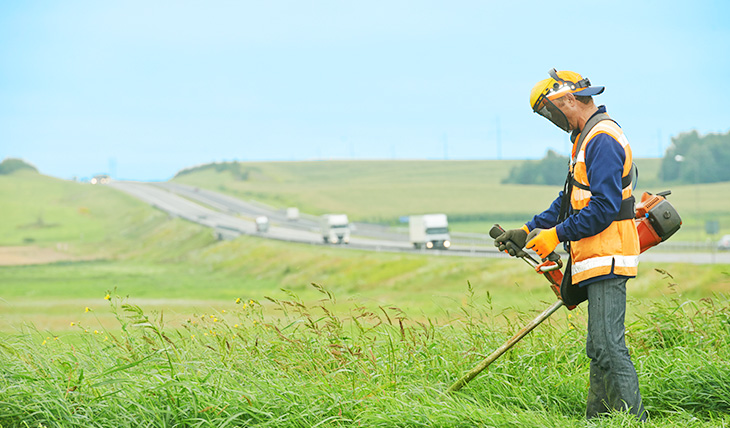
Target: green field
[
  {"x": 470, "y": 192},
  {"x": 152, "y": 322}
]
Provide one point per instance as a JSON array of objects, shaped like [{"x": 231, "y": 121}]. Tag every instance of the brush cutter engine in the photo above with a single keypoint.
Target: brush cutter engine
[{"x": 656, "y": 219}]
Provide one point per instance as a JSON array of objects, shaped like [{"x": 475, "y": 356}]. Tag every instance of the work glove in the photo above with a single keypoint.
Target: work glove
[
  {"x": 543, "y": 241},
  {"x": 518, "y": 237}
]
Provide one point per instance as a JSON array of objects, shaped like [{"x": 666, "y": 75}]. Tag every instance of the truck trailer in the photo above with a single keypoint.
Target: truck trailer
[{"x": 430, "y": 231}]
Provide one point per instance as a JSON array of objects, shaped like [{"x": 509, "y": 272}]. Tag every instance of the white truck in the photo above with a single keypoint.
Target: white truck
[
  {"x": 292, "y": 213},
  {"x": 262, "y": 224},
  {"x": 429, "y": 230},
  {"x": 335, "y": 228}
]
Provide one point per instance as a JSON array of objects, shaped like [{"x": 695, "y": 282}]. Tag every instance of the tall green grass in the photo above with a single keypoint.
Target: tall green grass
[{"x": 370, "y": 365}]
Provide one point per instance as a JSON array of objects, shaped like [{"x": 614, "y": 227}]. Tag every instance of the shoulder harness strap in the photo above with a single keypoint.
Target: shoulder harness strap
[
  {"x": 593, "y": 121},
  {"x": 627, "y": 205}
]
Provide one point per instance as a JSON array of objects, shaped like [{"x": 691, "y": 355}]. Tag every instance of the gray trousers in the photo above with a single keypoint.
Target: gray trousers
[{"x": 613, "y": 381}]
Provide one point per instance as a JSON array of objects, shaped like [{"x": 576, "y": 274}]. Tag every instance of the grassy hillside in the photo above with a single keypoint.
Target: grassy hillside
[
  {"x": 374, "y": 190},
  {"x": 470, "y": 192},
  {"x": 78, "y": 218}
]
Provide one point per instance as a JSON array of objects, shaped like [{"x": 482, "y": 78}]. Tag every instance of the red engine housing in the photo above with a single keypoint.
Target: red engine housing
[{"x": 656, "y": 220}]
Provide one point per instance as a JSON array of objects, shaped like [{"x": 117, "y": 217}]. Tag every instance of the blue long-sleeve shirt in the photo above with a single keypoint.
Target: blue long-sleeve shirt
[{"x": 604, "y": 159}]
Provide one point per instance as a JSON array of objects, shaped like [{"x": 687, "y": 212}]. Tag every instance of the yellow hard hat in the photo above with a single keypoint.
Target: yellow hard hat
[{"x": 559, "y": 84}]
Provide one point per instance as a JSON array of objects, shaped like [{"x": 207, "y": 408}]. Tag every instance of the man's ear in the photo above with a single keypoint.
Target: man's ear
[{"x": 570, "y": 99}]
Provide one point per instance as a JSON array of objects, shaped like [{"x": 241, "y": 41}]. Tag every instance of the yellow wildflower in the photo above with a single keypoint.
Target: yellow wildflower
[
  {"x": 87, "y": 309},
  {"x": 250, "y": 302},
  {"x": 107, "y": 297},
  {"x": 238, "y": 300},
  {"x": 73, "y": 323}
]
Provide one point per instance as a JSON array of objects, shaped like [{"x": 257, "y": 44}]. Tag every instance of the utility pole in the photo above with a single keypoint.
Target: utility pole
[
  {"x": 659, "y": 141},
  {"x": 499, "y": 140}
]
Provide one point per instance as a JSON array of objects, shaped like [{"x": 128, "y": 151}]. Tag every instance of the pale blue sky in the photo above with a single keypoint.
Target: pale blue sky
[{"x": 143, "y": 89}]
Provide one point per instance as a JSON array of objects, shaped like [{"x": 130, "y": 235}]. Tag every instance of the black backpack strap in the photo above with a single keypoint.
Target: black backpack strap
[
  {"x": 565, "y": 208},
  {"x": 593, "y": 121}
]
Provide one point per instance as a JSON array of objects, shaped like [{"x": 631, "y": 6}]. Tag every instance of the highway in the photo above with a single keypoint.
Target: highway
[{"x": 229, "y": 217}]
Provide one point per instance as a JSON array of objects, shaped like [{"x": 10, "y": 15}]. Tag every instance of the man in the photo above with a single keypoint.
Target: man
[{"x": 593, "y": 217}]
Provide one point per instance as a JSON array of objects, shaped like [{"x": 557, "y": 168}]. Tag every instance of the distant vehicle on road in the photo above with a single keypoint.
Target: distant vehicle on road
[
  {"x": 429, "y": 230},
  {"x": 262, "y": 224},
  {"x": 292, "y": 213},
  {"x": 724, "y": 243},
  {"x": 335, "y": 229},
  {"x": 101, "y": 179}
]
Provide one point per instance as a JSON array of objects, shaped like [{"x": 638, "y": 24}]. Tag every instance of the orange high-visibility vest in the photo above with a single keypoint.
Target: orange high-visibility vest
[{"x": 618, "y": 245}]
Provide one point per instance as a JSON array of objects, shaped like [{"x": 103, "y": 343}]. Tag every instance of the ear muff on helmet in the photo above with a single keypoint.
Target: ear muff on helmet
[{"x": 577, "y": 85}]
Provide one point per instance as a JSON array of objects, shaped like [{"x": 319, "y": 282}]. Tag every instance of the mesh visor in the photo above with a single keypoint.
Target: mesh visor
[{"x": 552, "y": 113}]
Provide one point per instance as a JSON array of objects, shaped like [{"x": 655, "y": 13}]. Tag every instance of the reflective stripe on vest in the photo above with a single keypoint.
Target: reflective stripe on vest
[{"x": 605, "y": 261}]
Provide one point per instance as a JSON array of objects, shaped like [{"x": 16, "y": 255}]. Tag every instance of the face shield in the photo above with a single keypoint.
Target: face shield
[
  {"x": 545, "y": 106},
  {"x": 551, "y": 112}
]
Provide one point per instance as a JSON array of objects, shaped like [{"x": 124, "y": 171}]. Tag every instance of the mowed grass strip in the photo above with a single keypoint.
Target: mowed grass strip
[{"x": 210, "y": 277}]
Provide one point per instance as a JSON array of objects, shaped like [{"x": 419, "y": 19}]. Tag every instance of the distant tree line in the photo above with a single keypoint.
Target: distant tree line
[
  {"x": 549, "y": 170},
  {"x": 236, "y": 169},
  {"x": 692, "y": 158},
  {"x": 10, "y": 165}
]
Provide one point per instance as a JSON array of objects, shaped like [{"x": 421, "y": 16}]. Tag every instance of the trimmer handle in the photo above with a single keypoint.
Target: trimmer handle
[
  {"x": 497, "y": 230},
  {"x": 555, "y": 257},
  {"x": 549, "y": 268}
]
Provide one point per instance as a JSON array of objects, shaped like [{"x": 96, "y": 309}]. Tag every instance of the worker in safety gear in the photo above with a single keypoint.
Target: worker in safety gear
[{"x": 593, "y": 216}]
